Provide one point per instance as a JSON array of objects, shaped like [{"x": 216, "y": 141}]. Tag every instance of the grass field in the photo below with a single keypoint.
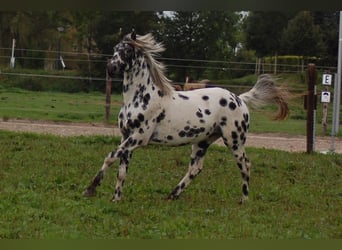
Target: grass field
[
  {"x": 293, "y": 195},
  {"x": 56, "y": 106}
]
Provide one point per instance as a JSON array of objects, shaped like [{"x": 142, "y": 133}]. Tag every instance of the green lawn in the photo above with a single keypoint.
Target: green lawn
[
  {"x": 56, "y": 106},
  {"x": 293, "y": 195}
]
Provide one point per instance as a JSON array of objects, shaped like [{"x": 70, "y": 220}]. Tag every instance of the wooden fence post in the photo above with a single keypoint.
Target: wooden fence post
[{"x": 311, "y": 102}]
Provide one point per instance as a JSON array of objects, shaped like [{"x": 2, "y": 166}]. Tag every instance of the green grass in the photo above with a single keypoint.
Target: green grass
[
  {"x": 293, "y": 195},
  {"x": 56, "y": 106}
]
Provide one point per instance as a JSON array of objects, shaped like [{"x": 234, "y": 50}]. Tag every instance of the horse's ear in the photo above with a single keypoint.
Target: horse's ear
[{"x": 133, "y": 35}]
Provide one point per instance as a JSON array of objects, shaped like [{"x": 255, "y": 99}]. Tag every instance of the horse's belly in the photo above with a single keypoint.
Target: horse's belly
[{"x": 182, "y": 135}]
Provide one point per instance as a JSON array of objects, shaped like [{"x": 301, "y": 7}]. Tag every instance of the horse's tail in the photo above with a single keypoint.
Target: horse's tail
[{"x": 266, "y": 92}]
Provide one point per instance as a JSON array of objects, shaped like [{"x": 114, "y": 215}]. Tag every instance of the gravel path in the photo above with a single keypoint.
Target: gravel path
[{"x": 269, "y": 140}]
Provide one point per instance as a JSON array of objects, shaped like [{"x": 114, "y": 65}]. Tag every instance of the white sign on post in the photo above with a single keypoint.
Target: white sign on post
[
  {"x": 327, "y": 79},
  {"x": 325, "y": 97}
]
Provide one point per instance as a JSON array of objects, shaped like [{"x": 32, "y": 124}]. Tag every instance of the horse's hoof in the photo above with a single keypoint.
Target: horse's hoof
[
  {"x": 113, "y": 200},
  {"x": 243, "y": 200},
  {"x": 172, "y": 197},
  {"x": 89, "y": 193}
]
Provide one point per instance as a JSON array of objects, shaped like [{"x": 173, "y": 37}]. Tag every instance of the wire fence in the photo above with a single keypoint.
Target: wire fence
[{"x": 72, "y": 60}]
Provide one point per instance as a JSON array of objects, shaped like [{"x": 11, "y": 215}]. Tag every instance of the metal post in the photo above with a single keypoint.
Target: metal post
[
  {"x": 60, "y": 30},
  {"x": 339, "y": 76},
  {"x": 337, "y": 91},
  {"x": 311, "y": 101},
  {"x": 336, "y": 109},
  {"x": 12, "y": 62},
  {"x": 59, "y": 54}
]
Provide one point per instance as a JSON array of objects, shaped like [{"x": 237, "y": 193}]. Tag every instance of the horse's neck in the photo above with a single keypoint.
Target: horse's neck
[{"x": 136, "y": 84}]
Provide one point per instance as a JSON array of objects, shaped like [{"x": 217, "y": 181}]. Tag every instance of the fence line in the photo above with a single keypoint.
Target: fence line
[
  {"x": 223, "y": 65},
  {"x": 59, "y": 76}
]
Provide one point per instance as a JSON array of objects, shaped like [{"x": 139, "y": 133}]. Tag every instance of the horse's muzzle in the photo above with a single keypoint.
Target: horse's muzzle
[{"x": 114, "y": 67}]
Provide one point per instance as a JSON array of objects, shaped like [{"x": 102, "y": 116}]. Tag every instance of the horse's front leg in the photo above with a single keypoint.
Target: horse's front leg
[
  {"x": 124, "y": 153},
  {"x": 108, "y": 161}
]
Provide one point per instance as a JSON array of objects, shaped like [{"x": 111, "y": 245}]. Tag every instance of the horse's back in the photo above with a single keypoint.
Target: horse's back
[{"x": 191, "y": 116}]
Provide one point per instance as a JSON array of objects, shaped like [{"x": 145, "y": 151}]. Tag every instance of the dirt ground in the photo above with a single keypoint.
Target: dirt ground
[{"x": 267, "y": 140}]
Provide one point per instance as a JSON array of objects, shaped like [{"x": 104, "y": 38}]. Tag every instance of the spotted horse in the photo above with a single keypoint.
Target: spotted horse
[{"x": 154, "y": 113}]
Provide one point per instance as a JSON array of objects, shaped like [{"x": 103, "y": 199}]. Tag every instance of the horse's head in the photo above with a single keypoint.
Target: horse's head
[{"x": 123, "y": 56}]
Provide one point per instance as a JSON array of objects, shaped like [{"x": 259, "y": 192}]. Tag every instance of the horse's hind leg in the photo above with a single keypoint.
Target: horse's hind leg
[
  {"x": 243, "y": 163},
  {"x": 244, "y": 167},
  {"x": 195, "y": 167}
]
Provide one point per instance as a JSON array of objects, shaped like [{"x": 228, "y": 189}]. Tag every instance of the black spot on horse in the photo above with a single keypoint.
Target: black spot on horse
[
  {"x": 136, "y": 123},
  {"x": 199, "y": 114},
  {"x": 125, "y": 88},
  {"x": 183, "y": 97},
  {"x": 207, "y": 112},
  {"x": 161, "y": 116},
  {"x": 234, "y": 135},
  {"x": 169, "y": 137},
  {"x": 205, "y": 98},
  {"x": 223, "y": 102},
  {"x": 201, "y": 152},
  {"x": 203, "y": 144},
  {"x": 232, "y": 105},
  {"x": 244, "y": 189},
  {"x": 223, "y": 121},
  {"x": 142, "y": 88},
  {"x": 182, "y": 133},
  {"x": 146, "y": 99},
  {"x": 160, "y": 93},
  {"x": 243, "y": 138},
  {"x": 237, "y": 125},
  {"x": 246, "y": 117},
  {"x": 141, "y": 117},
  {"x": 244, "y": 126}
]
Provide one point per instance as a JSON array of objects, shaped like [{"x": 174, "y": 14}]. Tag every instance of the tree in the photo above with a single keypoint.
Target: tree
[
  {"x": 329, "y": 28},
  {"x": 302, "y": 37},
  {"x": 199, "y": 35},
  {"x": 264, "y": 30}
]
